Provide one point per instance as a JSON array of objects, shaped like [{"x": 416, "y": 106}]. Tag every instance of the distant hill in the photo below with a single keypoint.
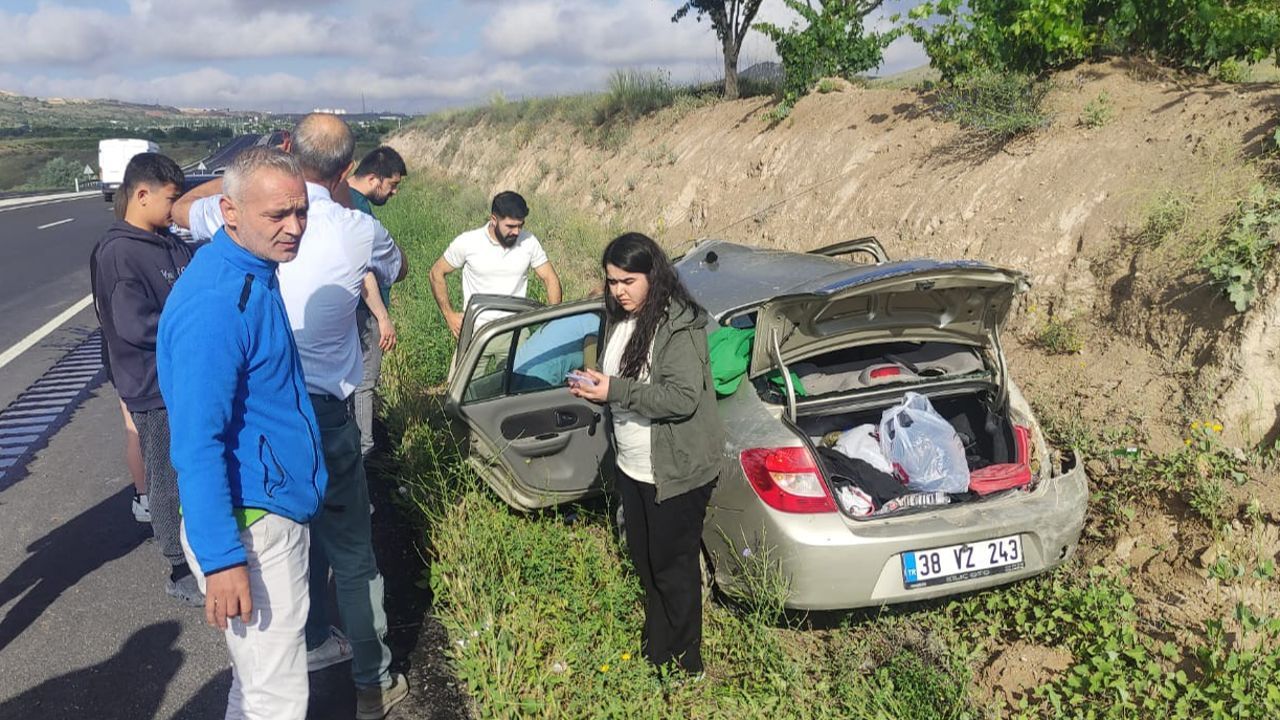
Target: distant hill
[
  {"x": 763, "y": 72},
  {"x": 17, "y": 110}
]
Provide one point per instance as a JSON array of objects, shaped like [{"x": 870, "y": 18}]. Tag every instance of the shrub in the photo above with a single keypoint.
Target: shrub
[
  {"x": 995, "y": 105},
  {"x": 635, "y": 93},
  {"x": 1032, "y": 36},
  {"x": 1237, "y": 263},
  {"x": 832, "y": 43},
  {"x": 58, "y": 173},
  {"x": 1060, "y": 337},
  {"x": 1232, "y": 71},
  {"x": 1200, "y": 470},
  {"x": 1166, "y": 218},
  {"x": 1097, "y": 112}
]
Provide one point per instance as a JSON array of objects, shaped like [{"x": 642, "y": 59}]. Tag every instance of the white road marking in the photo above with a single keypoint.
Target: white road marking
[
  {"x": 53, "y": 224},
  {"x": 27, "y": 342}
]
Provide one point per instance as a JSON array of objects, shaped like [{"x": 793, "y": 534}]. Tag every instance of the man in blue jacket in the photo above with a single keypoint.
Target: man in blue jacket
[
  {"x": 132, "y": 270},
  {"x": 245, "y": 440},
  {"x": 321, "y": 290}
]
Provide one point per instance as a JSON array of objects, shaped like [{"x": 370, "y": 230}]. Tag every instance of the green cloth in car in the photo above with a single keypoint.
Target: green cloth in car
[{"x": 730, "y": 353}]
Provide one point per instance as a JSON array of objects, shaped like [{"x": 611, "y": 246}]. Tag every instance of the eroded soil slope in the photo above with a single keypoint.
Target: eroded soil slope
[
  {"x": 1072, "y": 206},
  {"x": 1065, "y": 206}
]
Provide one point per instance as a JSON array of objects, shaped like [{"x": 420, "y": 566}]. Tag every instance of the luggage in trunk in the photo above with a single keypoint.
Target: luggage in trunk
[{"x": 996, "y": 451}]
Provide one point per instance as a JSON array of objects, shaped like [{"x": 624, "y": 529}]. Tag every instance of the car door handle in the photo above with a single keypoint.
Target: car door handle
[
  {"x": 542, "y": 445},
  {"x": 566, "y": 419}
]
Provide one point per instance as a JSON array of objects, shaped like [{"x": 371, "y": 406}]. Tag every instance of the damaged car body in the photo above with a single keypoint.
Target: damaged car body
[{"x": 836, "y": 343}]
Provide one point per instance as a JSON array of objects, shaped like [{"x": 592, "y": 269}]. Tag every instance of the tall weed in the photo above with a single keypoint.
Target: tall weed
[{"x": 996, "y": 106}]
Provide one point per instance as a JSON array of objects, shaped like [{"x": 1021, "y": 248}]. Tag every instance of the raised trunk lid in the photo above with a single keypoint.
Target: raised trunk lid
[{"x": 916, "y": 300}]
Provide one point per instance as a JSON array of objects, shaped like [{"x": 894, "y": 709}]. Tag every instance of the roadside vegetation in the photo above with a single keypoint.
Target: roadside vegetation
[{"x": 543, "y": 614}]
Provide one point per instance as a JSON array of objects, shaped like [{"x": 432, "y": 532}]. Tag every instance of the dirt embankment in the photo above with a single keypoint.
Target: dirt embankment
[{"x": 1066, "y": 205}]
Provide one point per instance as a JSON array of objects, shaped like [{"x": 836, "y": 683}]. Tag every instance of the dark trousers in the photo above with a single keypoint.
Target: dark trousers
[
  {"x": 342, "y": 539},
  {"x": 162, "y": 482},
  {"x": 664, "y": 540}
]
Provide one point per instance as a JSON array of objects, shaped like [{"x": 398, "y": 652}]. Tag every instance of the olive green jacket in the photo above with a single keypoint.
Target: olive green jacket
[{"x": 687, "y": 436}]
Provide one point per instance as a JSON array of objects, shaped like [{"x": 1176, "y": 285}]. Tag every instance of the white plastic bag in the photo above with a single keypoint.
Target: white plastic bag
[
  {"x": 923, "y": 447},
  {"x": 860, "y": 443}
]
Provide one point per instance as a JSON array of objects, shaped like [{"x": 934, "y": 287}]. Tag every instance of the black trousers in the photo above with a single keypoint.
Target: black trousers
[{"x": 664, "y": 541}]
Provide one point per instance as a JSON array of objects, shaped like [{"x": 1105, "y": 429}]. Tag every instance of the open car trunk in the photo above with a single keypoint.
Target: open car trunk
[{"x": 994, "y": 446}]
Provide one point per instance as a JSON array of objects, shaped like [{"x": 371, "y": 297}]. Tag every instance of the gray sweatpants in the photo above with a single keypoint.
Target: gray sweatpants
[
  {"x": 367, "y": 324},
  {"x": 162, "y": 482}
]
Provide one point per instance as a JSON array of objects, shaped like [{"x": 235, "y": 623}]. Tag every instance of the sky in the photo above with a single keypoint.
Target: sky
[{"x": 407, "y": 56}]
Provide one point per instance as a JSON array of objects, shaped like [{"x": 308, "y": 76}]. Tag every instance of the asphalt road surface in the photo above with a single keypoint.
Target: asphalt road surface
[{"x": 86, "y": 629}]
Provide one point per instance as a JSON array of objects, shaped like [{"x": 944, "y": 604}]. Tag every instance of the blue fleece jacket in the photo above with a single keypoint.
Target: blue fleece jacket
[{"x": 242, "y": 431}]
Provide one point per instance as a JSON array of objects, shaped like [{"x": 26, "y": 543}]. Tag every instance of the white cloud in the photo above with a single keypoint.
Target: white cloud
[
  {"x": 387, "y": 52},
  {"x": 195, "y": 30}
]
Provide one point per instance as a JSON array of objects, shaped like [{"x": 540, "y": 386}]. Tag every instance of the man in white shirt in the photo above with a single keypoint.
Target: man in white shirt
[
  {"x": 495, "y": 259},
  {"x": 321, "y": 290}
]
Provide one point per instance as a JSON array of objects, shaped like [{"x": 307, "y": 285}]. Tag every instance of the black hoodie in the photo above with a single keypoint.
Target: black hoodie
[{"x": 132, "y": 271}]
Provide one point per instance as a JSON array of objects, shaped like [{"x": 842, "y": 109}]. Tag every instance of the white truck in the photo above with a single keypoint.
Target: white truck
[{"x": 113, "y": 155}]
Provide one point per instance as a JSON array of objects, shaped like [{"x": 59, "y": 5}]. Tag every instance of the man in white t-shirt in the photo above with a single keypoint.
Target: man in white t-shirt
[{"x": 495, "y": 259}]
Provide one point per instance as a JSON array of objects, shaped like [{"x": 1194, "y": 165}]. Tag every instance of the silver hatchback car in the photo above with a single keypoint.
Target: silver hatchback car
[{"x": 837, "y": 341}]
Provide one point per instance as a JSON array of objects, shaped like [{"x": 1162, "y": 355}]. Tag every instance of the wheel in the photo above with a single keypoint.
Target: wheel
[{"x": 106, "y": 196}]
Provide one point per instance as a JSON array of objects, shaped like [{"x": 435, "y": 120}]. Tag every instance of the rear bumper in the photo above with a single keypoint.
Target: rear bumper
[{"x": 834, "y": 563}]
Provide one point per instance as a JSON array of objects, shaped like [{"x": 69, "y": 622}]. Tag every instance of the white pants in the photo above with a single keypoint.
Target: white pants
[{"x": 269, "y": 653}]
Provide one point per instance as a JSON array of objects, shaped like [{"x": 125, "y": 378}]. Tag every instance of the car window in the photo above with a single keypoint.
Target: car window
[{"x": 543, "y": 354}]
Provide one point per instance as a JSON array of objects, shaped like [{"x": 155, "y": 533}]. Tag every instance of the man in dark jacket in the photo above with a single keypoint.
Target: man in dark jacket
[{"x": 132, "y": 269}]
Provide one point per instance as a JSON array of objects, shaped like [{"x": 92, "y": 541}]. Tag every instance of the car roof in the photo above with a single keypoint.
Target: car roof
[{"x": 725, "y": 276}]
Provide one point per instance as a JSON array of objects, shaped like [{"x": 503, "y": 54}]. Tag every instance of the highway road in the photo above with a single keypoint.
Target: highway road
[
  {"x": 224, "y": 154},
  {"x": 44, "y": 272},
  {"x": 86, "y": 630}
]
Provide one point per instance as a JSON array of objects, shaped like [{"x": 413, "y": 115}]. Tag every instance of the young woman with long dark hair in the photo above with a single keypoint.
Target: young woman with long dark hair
[{"x": 667, "y": 437}]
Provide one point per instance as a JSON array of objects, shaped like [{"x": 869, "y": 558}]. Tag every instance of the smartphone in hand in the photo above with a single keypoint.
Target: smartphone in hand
[{"x": 579, "y": 378}]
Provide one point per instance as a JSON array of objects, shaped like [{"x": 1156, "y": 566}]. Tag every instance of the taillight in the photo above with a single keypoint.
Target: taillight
[{"x": 787, "y": 479}]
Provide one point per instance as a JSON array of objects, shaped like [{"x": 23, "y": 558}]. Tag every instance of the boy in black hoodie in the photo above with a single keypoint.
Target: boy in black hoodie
[{"x": 132, "y": 269}]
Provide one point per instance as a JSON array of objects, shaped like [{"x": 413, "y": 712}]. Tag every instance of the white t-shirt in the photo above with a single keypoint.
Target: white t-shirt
[
  {"x": 321, "y": 286},
  {"x": 633, "y": 443},
  {"x": 490, "y": 269}
]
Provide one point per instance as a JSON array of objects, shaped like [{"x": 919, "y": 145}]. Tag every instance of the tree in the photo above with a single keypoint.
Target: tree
[
  {"x": 833, "y": 41},
  {"x": 1032, "y": 36},
  {"x": 58, "y": 172},
  {"x": 731, "y": 20}
]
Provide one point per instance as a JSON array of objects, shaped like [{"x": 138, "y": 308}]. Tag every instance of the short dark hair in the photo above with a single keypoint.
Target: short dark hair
[
  {"x": 382, "y": 162},
  {"x": 509, "y": 204},
  {"x": 147, "y": 168}
]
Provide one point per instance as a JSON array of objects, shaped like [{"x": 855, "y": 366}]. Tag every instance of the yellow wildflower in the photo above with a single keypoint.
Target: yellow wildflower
[
  {"x": 1186, "y": 441},
  {"x": 1195, "y": 425},
  {"x": 604, "y": 668},
  {"x": 1217, "y": 427},
  {"x": 626, "y": 657}
]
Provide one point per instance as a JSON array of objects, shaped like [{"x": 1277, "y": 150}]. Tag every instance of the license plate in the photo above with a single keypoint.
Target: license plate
[{"x": 953, "y": 563}]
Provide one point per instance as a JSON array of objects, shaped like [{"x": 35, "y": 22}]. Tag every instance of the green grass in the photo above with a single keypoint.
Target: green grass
[
  {"x": 1097, "y": 112},
  {"x": 603, "y": 119},
  {"x": 1060, "y": 337},
  {"x": 543, "y": 614},
  {"x": 996, "y": 106}
]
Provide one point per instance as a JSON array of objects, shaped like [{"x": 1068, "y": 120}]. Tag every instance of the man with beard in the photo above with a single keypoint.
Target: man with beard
[
  {"x": 495, "y": 260},
  {"x": 375, "y": 181}
]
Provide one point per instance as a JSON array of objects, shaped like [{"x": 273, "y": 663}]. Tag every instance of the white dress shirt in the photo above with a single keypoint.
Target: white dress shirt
[{"x": 321, "y": 287}]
